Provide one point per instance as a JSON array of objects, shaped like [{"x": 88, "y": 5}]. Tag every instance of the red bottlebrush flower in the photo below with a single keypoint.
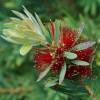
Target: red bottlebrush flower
[
  {"x": 56, "y": 67},
  {"x": 71, "y": 72},
  {"x": 42, "y": 59},
  {"x": 82, "y": 71},
  {"x": 84, "y": 55},
  {"x": 60, "y": 45},
  {"x": 67, "y": 39}
]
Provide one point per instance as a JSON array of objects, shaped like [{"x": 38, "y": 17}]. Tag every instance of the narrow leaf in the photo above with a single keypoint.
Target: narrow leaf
[
  {"x": 84, "y": 45},
  {"x": 70, "y": 55},
  {"x": 15, "y": 19},
  {"x": 20, "y": 15},
  {"x": 30, "y": 16},
  {"x": 51, "y": 83},
  {"x": 41, "y": 24},
  {"x": 79, "y": 62},
  {"x": 62, "y": 74},
  {"x": 44, "y": 30},
  {"x": 57, "y": 31},
  {"x": 43, "y": 74},
  {"x": 79, "y": 30},
  {"x": 10, "y": 40},
  {"x": 25, "y": 49},
  {"x": 34, "y": 21}
]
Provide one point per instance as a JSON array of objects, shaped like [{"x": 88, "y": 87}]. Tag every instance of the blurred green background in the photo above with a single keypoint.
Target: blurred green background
[{"x": 17, "y": 76}]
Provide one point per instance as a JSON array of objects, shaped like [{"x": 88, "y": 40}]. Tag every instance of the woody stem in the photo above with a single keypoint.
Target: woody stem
[
  {"x": 88, "y": 88},
  {"x": 90, "y": 92},
  {"x": 15, "y": 90}
]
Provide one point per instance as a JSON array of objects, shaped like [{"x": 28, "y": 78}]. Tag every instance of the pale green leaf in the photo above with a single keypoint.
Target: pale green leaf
[
  {"x": 11, "y": 33},
  {"x": 23, "y": 37},
  {"x": 62, "y": 73},
  {"x": 79, "y": 30},
  {"x": 30, "y": 16},
  {"x": 57, "y": 31},
  {"x": 43, "y": 74},
  {"x": 44, "y": 30},
  {"x": 84, "y": 45},
  {"x": 10, "y": 40},
  {"x": 34, "y": 21},
  {"x": 70, "y": 55},
  {"x": 13, "y": 19},
  {"x": 10, "y": 25},
  {"x": 80, "y": 62},
  {"x": 25, "y": 49},
  {"x": 17, "y": 40},
  {"x": 41, "y": 24},
  {"x": 20, "y": 15},
  {"x": 51, "y": 83}
]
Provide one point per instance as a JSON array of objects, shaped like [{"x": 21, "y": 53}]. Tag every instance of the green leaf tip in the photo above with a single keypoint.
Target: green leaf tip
[
  {"x": 62, "y": 73},
  {"x": 43, "y": 74},
  {"x": 51, "y": 83},
  {"x": 57, "y": 30},
  {"x": 84, "y": 45},
  {"x": 70, "y": 55},
  {"x": 80, "y": 62},
  {"x": 25, "y": 49}
]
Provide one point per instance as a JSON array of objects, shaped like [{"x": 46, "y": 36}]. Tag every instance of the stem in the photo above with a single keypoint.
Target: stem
[
  {"x": 42, "y": 49},
  {"x": 90, "y": 92},
  {"x": 17, "y": 90}
]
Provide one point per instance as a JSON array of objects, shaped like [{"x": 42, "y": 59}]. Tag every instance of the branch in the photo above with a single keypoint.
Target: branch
[
  {"x": 17, "y": 90},
  {"x": 88, "y": 88},
  {"x": 90, "y": 92}
]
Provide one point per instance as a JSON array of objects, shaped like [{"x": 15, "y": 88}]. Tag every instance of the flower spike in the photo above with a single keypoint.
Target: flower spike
[{"x": 58, "y": 51}]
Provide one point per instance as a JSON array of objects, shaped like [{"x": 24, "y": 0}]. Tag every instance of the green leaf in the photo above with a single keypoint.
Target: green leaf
[
  {"x": 20, "y": 15},
  {"x": 34, "y": 21},
  {"x": 70, "y": 55},
  {"x": 10, "y": 33},
  {"x": 25, "y": 49},
  {"x": 79, "y": 62},
  {"x": 93, "y": 8},
  {"x": 44, "y": 31},
  {"x": 86, "y": 8},
  {"x": 62, "y": 74},
  {"x": 51, "y": 83},
  {"x": 84, "y": 45},
  {"x": 10, "y": 40},
  {"x": 57, "y": 31},
  {"x": 19, "y": 40},
  {"x": 43, "y": 74},
  {"x": 79, "y": 30},
  {"x": 20, "y": 37},
  {"x": 41, "y": 24}
]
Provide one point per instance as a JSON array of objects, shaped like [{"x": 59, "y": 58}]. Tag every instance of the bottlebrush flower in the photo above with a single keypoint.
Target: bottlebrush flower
[
  {"x": 58, "y": 50},
  {"x": 66, "y": 56}
]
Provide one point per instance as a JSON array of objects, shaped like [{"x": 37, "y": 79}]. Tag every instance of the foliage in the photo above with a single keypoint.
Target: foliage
[
  {"x": 90, "y": 6},
  {"x": 16, "y": 72}
]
